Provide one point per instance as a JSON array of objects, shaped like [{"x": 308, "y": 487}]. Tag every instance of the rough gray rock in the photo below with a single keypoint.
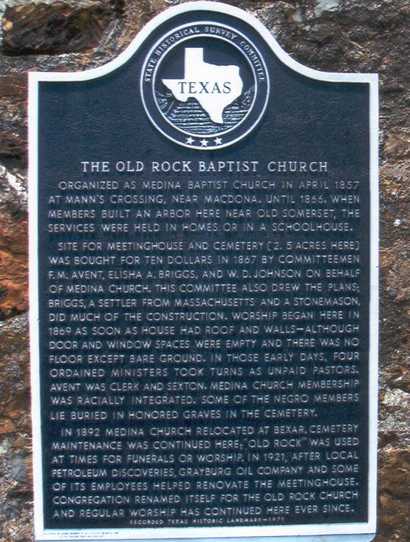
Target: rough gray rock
[
  {"x": 326, "y": 5},
  {"x": 57, "y": 27}
]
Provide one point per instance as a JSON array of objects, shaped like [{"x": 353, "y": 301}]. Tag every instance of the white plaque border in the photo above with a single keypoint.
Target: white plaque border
[{"x": 277, "y": 533}]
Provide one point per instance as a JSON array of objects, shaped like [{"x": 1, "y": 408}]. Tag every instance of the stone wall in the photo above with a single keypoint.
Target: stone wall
[{"x": 333, "y": 35}]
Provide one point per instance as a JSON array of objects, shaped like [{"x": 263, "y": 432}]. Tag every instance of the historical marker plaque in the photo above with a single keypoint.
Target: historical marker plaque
[{"x": 204, "y": 290}]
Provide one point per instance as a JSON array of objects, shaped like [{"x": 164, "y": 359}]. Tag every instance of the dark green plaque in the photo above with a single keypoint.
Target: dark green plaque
[{"x": 204, "y": 229}]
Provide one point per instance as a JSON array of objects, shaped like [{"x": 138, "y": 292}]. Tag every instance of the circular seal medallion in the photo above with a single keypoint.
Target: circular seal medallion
[{"x": 205, "y": 85}]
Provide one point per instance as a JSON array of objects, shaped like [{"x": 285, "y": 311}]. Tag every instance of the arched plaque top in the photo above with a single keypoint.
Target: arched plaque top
[{"x": 211, "y": 7}]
